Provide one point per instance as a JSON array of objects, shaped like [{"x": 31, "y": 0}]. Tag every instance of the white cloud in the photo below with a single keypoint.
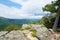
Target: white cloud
[
  {"x": 29, "y": 8},
  {"x": 37, "y": 17}
]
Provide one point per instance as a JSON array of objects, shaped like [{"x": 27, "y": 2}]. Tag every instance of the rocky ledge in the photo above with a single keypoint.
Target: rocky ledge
[{"x": 30, "y": 32}]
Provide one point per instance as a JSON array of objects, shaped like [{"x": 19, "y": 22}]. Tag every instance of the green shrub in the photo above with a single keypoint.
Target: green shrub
[
  {"x": 33, "y": 34},
  {"x": 27, "y": 28},
  {"x": 11, "y": 27},
  {"x": 21, "y": 29},
  {"x": 32, "y": 30}
]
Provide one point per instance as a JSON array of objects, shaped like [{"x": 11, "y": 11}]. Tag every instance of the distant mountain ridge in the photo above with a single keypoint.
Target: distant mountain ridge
[
  {"x": 6, "y": 21},
  {"x": 15, "y": 21}
]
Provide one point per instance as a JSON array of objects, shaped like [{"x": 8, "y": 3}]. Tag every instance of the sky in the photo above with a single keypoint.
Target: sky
[{"x": 22, "y": 9}]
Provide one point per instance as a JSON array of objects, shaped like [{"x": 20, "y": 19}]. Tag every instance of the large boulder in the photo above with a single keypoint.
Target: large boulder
[
  {"x": 14, "y": 35},
  {"x": 41, "y": 31}
]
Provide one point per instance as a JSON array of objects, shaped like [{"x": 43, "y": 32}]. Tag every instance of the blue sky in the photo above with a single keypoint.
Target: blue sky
[
  {"x": 10, "y": 3},
  {"x": 22, "y": 9}
]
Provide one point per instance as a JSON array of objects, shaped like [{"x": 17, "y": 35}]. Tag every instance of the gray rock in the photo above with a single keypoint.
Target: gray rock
[
  {"x": 2, "y": 32},
  {"x": 41, "y": 31},
  {"x": 14, "y": 35}
]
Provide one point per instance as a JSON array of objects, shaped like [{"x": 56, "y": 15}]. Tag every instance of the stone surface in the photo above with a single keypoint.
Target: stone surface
[
  {"x": 29, "y": 35},
  {"x": 14, "y": 35},
  {"x": 42, "y": 33},
  {"x": 2, "y": 32},
  {"x": 54, "y": 36}
]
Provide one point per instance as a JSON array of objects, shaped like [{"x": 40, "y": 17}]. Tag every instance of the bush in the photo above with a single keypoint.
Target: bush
[
  {"x": 21, "y": 29},
  {"x": 33, "y": 30},
  {"x": 11, "y": 27},
  {"x": 33, "y": 34},
  {"x": 27, "y": 28}
]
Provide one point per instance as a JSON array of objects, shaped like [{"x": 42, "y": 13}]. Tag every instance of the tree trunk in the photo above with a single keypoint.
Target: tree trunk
[{"x": 56, "y": 22}]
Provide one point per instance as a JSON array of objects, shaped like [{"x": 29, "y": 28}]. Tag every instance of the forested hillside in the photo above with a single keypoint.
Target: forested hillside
[{"x": 4, "y": 22}]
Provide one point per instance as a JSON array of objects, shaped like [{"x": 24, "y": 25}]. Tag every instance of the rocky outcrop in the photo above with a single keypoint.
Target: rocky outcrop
[
  {"x": 14, "y": 35},
  {"x": 41, "y": 31},
  {"x": 30, "y": 32}
]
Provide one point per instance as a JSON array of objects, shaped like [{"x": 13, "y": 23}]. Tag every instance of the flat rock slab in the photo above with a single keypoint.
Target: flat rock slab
[{"x": 14, "y": 35}]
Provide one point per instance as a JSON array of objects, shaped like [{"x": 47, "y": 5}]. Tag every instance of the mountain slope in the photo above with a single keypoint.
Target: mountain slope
[{"x": 4, "y": 22}]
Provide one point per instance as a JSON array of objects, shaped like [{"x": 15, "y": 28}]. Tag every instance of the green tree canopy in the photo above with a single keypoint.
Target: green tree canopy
[{"x": 54, "y": 7}]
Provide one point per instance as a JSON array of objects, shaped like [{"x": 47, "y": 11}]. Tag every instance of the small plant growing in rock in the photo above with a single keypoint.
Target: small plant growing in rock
[
  {"x": 22, "y": 29},
  {"x": 24, "y": 34},
  {"x": 27, "y": 28},
  {"x": 33, "y": 34},
  {"x": 32, "y": 30}
]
